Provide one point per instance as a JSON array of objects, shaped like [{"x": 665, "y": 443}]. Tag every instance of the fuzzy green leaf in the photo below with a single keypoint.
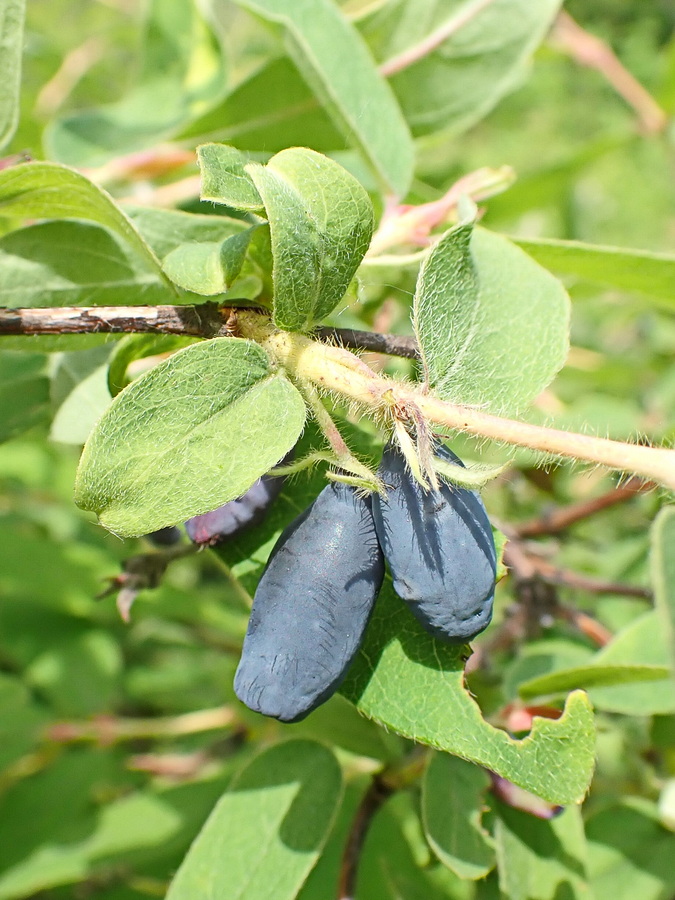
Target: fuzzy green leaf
[
  {"x": 492, "y": 324},
  {"x": 321, "y": 222},
  {"x": 225, "y": 179},
  {"x": 209, "y": 267},
  {"x": 166, "y": 229},
  {"x": 179, "y": 440}
]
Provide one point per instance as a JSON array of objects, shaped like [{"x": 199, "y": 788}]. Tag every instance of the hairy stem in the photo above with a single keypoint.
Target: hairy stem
[{"x": 325, "y": 367}]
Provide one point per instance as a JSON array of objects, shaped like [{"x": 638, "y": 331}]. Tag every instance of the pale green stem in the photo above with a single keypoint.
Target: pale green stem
[{"x": 326, "y": 367}]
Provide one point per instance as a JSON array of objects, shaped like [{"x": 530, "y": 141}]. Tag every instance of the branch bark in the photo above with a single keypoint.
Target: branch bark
[{"x": 206, "y": 320}]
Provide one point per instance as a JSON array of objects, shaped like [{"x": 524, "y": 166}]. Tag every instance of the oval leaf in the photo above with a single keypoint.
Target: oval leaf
[
  {"x": 492, "y": 324},
  {"x": 193, "y": 433},
  {"x": 453, "y": 796},
  {"x": 321, "y": 222},
  {"x": 451, "y": 62},
  {"x": 268, "y": 829},
  {"x": 209, "y": 267},
  {"x": 337, "y": 65},
  {"x": 12, "y": 15},
  {"x": 224, "y": 178}
]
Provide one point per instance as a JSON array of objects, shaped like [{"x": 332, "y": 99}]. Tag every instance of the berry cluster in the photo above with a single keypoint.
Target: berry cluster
[{"x": 319, "y": 587}]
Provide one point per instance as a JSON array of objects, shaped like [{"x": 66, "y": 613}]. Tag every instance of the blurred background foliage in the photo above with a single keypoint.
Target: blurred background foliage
[{"x": 104, "y": 783}]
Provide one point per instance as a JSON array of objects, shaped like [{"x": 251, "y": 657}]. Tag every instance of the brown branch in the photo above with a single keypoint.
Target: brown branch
[
  {"x": 392, "y": 344},
  {"x": 394, "y": 778},
  {"x": 558, "y": 520},
  {"x": 590, "y": 51},
  {"x": 206, "y": 320},
  {"x": 527, "y": 567},
  {"x": 372, "y": 800}
]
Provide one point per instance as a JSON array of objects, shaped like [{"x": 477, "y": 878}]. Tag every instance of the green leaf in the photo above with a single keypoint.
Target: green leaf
[
  {"x": 587, "y": 677},
  {"x": 396, "y": 864},
  {"x": 663, "y": 575},
  {"x": 504, "y": 321},
  {"x": 177, "y": 441},
  {"x": 73, "y": 264},
  {"x": 321, "y": 221},
  {"x": 267, "y": 830},
  {"x": 12, "y": 15},
  {"x": 21, "y": 720},
  {"x": 400, "y": 662},
  {"x": 209, "y": 267},
  {"x": 271, "y": 108},
  {"x": 630, "y": 853},
  {"x": 451, "y": 63},
  {"x": 24, "y": 392},
  {"x": 623, "y": 268},
  {"x": 36, "y": 847},
  {"x": 166, "y": 229},
  {"x": 139, "y": 346},
  {"x": 453, "y": 795},
  {"x": 225, "y": 179},
  {"x": 642, "y": 643},
  {"x": 182, "y": 74},
  {"x": 40, "y": 190},
  {"x": 338, "y": 720},
  {"x": 79, "y": 392},
  {"x": 541, "y": 859},
  {"x": 337, "y": 65},
  {"x": 80, "y": 676}
]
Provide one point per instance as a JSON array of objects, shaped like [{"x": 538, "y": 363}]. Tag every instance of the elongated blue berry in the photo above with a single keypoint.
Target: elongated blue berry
[
  {"x": 439, "y": 547},
  {"x": 311, "y": 607}
]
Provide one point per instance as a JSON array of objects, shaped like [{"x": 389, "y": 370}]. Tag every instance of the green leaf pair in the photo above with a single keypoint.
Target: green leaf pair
[{"x": 321, "y": 222}]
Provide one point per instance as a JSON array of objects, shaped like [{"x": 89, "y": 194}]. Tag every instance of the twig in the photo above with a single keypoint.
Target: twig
[
  {"x": 528, "y": 567},
  {"x": 391, "y": 344},
  {"x": 326, "y": 367},
  {"x": 560, "y": 519},
  {"x": 394, "y": 778},
  {"x": 109, "y": 730},
  {"x": 372, "y": 800},
  {"x": 590, "y": 51},
  {"x": 206, "y": 320},
  {"x": 448, "y": 28}
]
